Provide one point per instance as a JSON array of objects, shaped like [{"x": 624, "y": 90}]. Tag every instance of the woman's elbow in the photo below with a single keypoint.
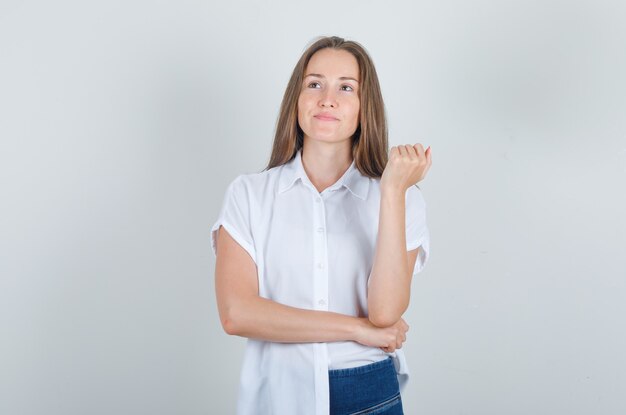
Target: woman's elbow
[
  {"x": 230, "y": 322},
  {"x": 230, "y": 327},
  {"x": 384, "y": 319}
]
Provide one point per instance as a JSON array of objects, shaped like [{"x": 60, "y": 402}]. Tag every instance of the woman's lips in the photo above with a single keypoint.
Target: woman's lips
[{"x": 324, "y": 118}]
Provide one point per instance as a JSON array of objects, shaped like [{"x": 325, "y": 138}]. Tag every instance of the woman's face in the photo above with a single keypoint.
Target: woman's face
[{"x": 330, "y": 89}]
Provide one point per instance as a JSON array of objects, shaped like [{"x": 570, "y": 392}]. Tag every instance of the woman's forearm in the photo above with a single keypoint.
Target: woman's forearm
[
  {"x": 260, "y": 318},
  {"x": 390, "y": 279}
]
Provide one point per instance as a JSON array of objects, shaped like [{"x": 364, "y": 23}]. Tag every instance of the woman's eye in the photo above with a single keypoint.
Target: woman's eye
[{"x": 343, "y": 86}]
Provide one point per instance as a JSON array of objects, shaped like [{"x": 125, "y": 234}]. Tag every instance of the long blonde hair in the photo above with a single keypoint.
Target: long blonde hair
[{"x": 369, "y": 142}]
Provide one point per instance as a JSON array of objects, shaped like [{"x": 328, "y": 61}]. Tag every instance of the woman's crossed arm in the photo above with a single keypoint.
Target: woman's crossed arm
[{"x": 244, "y": 313}]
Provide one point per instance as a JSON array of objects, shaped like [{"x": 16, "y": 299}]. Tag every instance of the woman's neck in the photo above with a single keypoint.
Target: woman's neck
[{"x": 325, "y": 164}]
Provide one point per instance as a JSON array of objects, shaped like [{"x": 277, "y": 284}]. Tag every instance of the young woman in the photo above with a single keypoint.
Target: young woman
[{"x": 315, "y": 254}]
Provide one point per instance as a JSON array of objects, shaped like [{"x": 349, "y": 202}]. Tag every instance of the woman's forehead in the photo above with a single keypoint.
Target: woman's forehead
[{"x": 333, "y": 63}]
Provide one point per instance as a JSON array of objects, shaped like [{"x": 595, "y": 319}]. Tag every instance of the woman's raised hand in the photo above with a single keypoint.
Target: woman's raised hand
[
  {"x": 406, "y": 166},
  {"x": 388, "y": 338}
]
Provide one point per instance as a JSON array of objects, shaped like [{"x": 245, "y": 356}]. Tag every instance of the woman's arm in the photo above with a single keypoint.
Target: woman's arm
[
  {"x": 244, "y": 313},
  {"x": 389, "y": 285}
]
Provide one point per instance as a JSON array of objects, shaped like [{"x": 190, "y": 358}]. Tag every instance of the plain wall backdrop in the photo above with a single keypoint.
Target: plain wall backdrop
[{"x": 122, "y": 122}]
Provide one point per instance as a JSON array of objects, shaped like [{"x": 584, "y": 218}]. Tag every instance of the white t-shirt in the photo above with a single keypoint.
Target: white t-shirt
[{"x": 313, "y": 251}]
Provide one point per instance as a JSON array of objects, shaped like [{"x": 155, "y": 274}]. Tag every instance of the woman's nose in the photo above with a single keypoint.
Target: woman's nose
[{"x": 328, "y": 98}]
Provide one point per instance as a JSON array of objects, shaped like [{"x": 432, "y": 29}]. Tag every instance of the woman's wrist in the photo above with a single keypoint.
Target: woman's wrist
[
  {"x": 392, "y": 193},
  {"x": 358, "y": 328}
]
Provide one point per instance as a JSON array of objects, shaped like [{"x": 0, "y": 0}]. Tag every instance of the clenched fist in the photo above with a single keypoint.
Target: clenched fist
[
  {"x": 407, "y": 165},
  {"x": 386, "y": 338}
]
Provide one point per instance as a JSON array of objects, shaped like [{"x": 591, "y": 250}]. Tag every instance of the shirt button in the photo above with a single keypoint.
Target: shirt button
[
  {"x": 317, "y": 200},
  {"x": 320, "y": 265},
  {"x": 321, "y": 302},
  {"x": 320, "y": 230}
]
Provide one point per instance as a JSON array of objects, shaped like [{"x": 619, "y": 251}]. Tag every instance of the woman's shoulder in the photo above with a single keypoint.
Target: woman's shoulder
[
  {"x": 257, "y": 179},
  {"x": 256, "y": 185}
]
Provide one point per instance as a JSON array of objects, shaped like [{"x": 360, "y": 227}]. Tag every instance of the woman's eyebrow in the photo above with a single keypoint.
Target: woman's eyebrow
[{"x": 343, "y": 78}]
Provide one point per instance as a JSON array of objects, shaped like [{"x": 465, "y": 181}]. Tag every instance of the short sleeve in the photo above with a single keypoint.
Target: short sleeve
[
  {"x": 234, "y": 216},
  {"x": 416, "y": 229}
]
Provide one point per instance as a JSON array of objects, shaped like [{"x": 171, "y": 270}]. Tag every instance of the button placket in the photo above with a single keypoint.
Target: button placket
[
  {"x": 320, "y": 302},
  {"x": 320, "y": 284}
]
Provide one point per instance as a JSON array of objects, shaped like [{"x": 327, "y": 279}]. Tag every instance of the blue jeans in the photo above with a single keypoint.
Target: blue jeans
[{"x": 370, "y": 389}]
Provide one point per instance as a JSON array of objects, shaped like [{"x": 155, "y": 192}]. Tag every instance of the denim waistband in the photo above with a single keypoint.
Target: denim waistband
[{"x": 380, "y": 365}]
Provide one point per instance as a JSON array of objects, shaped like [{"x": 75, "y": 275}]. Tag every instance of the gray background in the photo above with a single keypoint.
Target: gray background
[{"x": 122, "y": 122}]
